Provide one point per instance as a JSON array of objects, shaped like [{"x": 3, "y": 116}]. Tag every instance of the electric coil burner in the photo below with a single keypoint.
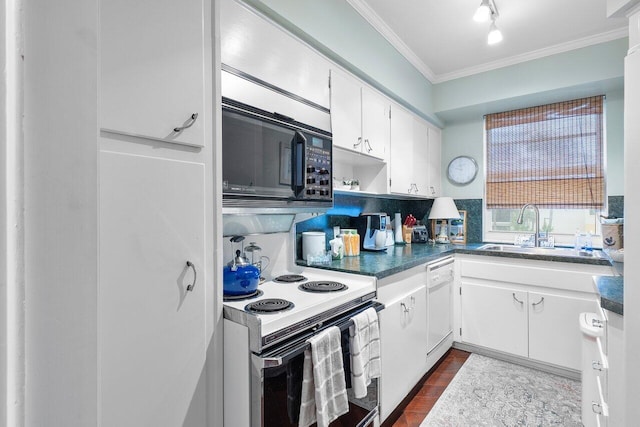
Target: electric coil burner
[
  {"x": 257, "y": 293},
  {"x": 269, "y": 305},
  {"x": 323, "y": 286},
  {"x": 290, "y": 278}
]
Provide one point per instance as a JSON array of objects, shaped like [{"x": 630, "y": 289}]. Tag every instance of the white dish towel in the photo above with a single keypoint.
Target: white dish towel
[
  {"x": 324, "y": 392},
  {"x": 364, "y": 345}
]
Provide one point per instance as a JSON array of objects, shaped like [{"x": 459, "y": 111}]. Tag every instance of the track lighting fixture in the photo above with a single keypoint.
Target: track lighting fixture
[
  {"x": 495, "y": 35},
  {"x": 485, "y": 12}
]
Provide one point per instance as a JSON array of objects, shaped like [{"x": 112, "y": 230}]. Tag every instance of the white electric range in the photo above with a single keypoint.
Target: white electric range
[{"x": 292, "y": 303}]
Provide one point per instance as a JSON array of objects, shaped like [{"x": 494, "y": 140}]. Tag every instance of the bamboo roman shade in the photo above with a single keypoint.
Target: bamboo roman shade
[{"x": 550, "y": 155}]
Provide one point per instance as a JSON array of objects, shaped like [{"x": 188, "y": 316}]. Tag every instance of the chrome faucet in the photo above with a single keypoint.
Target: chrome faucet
[{"x": 536, "y": 225}]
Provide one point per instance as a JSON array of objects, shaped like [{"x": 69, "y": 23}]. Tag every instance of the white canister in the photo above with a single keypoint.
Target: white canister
[{"x": 313, "y": 243}]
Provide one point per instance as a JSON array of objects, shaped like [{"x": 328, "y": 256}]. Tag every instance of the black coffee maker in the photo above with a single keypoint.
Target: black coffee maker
[{"x": 372, "y": 228}]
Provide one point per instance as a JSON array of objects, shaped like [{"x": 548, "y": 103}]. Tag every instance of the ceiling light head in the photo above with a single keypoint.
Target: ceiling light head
[
  {"x": 495, "y": 35},
  {"x": 483, "y": 13}
]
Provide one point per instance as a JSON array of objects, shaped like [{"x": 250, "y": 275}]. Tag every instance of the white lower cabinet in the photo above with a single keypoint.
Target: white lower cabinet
[
  {"x": 595, "y": 367},
  {"x": 403, "y": 336},
  {"x": 526, "y": 308},
  {"x": 553, "y": 335},
  {"x": 494, "y": 317},
  {"x": 152, "y": 304}
]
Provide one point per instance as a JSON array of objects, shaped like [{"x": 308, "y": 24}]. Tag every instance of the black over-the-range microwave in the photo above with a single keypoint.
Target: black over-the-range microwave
[{"x": 276, "y": 147}]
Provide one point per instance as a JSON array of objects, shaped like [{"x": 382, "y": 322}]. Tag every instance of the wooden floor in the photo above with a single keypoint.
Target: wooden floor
[{"x": 412, "y": 411}]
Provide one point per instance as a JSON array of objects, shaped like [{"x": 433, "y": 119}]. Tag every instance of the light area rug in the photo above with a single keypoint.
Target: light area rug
[{"x": 490, "y": 392}]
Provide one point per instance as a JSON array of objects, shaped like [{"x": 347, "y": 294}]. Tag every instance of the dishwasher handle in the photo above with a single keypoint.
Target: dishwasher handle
[{"x": 439, "y": 264}]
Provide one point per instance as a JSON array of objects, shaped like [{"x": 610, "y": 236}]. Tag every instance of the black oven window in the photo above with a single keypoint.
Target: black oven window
[{"x": 283, "y": 389}]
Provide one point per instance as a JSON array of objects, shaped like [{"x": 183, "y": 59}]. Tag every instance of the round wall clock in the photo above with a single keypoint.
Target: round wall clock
[{"x": 462, "y": 170}]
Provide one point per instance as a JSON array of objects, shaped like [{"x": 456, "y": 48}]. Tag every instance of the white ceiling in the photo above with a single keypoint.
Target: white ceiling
[{"x": 440, "y": 38}]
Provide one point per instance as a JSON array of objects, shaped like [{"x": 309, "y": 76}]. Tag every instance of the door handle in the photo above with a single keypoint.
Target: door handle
[
  {"x": 195, "y": 275},
  {"x": 188, "y": 124},
  {"x": 539, "y": 302},
  {"x": 516, "y": 299}
]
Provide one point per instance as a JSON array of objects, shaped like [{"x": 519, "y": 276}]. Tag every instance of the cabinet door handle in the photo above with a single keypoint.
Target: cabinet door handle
[
  {"x": 596, "y": 365},
  {"x": 368, "y": 146},
  {"x": 405, "y": 307},
  {"x": 433, "y": 190},
  {"x": 596, "y": 408},
  {"x": 516, "y": 299},
  {"x": 193, "y": 267},
  {"x": 187, "y": 124},
  {"x": 358, "y": 143},
  {"x": 539, "y": 302}
]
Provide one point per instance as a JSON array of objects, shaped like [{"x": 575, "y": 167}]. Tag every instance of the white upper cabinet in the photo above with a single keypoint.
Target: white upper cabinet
[
  {"x": 152, "y": 69},
  {"x": 434, "y": 165},
  {"x": 414, "y": 158},
  {"x": 375, "y": 124},
  {"x": 359, "y": 117},
  {"x": 253, "y": 45},
  {"x": 346, "y": 112},
  {"x": 401, "y": 163},
  {"x": 422, "y": 159}
]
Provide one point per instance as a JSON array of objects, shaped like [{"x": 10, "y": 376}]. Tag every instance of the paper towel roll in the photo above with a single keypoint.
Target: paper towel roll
[{"x": 397, "y": 228}]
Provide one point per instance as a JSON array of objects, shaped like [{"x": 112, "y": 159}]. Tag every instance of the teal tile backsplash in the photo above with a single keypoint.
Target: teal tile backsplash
[{"x": 347, "y": 206}]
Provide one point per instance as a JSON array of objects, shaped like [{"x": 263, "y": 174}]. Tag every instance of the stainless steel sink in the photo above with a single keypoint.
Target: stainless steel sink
[{"x": 560, "y": 252}]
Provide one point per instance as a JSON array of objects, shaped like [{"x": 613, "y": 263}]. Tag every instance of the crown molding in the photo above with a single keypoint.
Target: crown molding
[
  {"x": 379, "y": 25},
  {"x": 536, "y": 54}
]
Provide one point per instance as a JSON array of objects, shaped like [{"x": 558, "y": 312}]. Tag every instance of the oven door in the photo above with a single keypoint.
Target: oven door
[{"x": 276, "y": 383}]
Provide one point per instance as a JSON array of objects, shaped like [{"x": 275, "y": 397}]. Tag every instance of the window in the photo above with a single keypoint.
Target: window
[{"x": 552, "y": 156}]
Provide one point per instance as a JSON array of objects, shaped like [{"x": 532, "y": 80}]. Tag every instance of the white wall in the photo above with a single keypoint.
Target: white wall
[
  {"x": 466, "y": 138},
  {"x": 4, "y": 84},
  {"x": 60, "y": 128}
]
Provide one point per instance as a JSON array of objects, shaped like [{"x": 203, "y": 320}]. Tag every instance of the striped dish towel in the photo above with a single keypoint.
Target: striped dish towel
[
  {"x": 324, "y": 392},
  {"x": 364, "y": 344}
]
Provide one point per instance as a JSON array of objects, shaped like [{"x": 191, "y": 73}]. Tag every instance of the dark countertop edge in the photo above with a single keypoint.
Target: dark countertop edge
[
  {"x": 540, "y": 257},
  {"x": 387, "y": 272},
  {"x": 470, "y": 249},
  {"x": 611, "y": 290}
]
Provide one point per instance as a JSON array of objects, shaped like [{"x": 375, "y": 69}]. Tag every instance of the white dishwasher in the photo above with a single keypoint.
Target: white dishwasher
[{"x": 440, "y": 277}]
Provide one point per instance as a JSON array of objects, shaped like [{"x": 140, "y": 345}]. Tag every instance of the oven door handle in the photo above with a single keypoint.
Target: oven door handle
[{"x": 282, "y": 356}]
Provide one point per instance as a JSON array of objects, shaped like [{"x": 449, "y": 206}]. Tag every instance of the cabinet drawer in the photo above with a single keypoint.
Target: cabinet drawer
[
  {"x": 390, "y": 288},
  {"x": 549, "y": 274}
]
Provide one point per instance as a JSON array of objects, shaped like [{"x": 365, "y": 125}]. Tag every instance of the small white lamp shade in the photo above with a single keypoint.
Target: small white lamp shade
[{"x": 444, "y": 208}]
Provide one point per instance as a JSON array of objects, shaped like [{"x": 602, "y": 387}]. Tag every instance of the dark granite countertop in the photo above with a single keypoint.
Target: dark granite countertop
[
  {"x": 386, "y": 263},
  {"x": 402, "y": 257},
  {"x": 611, "y": 289}
]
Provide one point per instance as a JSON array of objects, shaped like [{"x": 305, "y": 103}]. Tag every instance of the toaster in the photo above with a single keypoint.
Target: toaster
[{"x": 419, "y": 234}]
